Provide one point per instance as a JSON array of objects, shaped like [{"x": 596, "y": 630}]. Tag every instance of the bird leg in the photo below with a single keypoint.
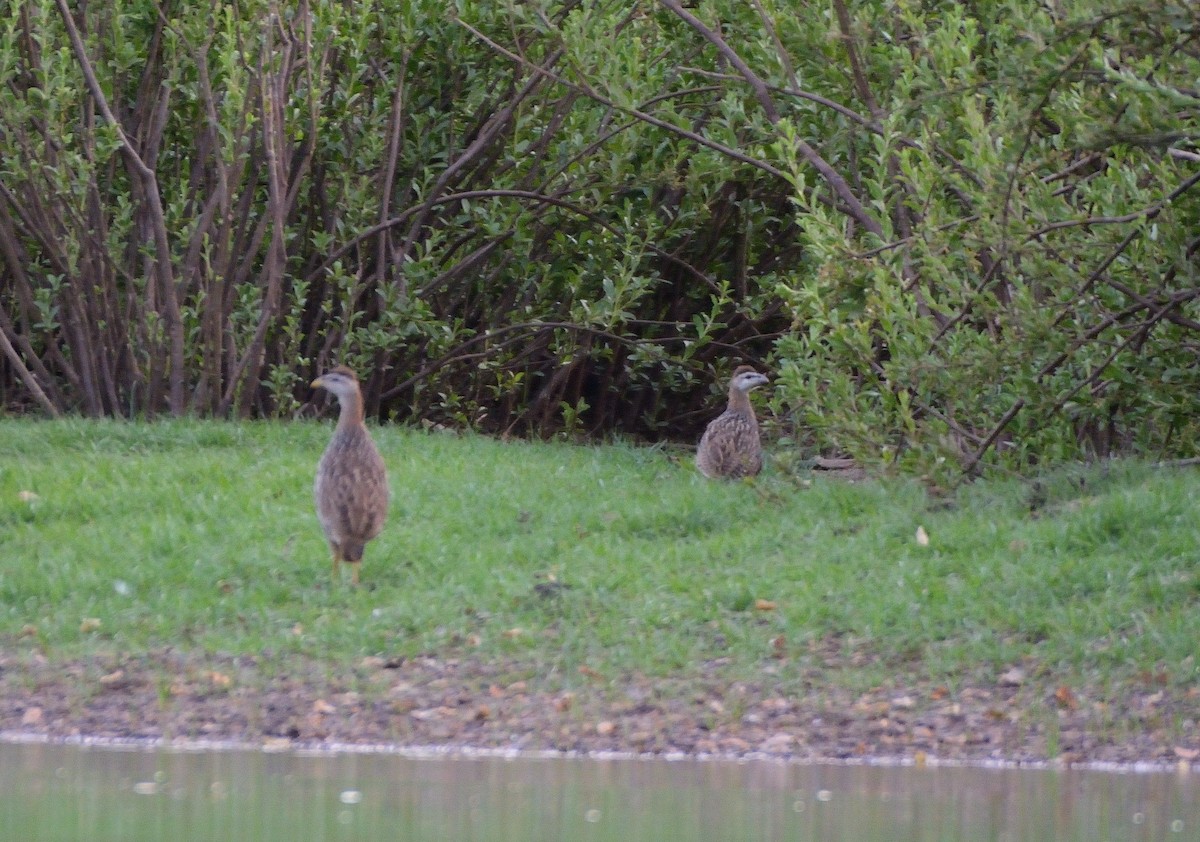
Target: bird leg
[
  {"x": 336, "y": 551},
  {"x": 353, "y": 565}
]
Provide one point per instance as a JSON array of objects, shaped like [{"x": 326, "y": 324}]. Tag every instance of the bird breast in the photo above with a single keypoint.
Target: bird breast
[
  {"x": 730, "y": 446},
  {"x": 351, "y": 487}
]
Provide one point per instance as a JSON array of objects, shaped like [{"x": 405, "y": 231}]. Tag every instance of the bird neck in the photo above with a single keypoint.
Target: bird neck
[
  {"x": 739, "y": 401},
  {"x": 351, "y": 414}
]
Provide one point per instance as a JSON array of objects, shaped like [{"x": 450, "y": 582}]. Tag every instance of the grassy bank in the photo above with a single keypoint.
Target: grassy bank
[{"x": 589, "y": 561}]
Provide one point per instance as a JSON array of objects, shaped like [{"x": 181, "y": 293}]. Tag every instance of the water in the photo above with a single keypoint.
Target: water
[{"x": 57, "y": 792}]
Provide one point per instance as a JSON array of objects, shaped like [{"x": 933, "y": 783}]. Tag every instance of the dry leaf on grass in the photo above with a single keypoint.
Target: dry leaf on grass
[{"x": 1066, "y": 698}]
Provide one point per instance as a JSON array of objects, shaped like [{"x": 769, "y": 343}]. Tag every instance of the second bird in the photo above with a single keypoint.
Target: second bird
[
  {"x": 730, "y": 446},
  {"x": 351, "y": 488}
]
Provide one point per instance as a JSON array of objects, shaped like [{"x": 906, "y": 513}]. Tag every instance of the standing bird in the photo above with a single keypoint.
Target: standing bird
[
  {"x": 351, "y": 487},
  {"x": 730, "y": 446}
]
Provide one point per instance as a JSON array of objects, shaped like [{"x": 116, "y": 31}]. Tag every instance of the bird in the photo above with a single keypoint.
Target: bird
[
  {"x": 730, "y": 446},
  {"x": 351, "y": 486}
]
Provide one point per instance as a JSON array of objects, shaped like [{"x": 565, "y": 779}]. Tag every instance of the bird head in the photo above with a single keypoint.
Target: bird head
[
  {"x": 746, "y": 378},
  {"x": 340, "y": 381}
]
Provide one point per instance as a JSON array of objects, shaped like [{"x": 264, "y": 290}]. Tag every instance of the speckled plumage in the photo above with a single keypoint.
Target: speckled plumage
[
  {"x": 351, "y": 487},
  {"x": 730, "y": 447}
]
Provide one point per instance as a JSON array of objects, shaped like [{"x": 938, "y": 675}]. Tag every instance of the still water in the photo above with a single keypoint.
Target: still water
[{"x": 64, "y": 792}]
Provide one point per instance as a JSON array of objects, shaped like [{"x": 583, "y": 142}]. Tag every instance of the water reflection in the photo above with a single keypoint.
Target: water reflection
[{"x": 54, "y": 792}]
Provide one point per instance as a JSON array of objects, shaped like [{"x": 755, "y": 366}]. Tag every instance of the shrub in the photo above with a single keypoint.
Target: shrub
[{"x": 963, "y": 234}]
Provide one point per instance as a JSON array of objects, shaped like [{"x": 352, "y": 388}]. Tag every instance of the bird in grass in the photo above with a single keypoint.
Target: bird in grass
[
  {"x": 730, "y": 446},
  {"x": 351, "y": 488}
]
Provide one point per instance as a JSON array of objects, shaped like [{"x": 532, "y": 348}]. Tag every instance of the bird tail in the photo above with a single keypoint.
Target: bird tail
[{"x": 352, "y": 551}]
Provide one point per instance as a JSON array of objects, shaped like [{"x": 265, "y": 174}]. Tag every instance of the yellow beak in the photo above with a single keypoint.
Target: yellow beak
[{"x": 315, "y": 383}]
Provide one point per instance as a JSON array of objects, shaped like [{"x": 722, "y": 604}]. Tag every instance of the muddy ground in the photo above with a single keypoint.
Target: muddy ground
[{"x": 461, "y": 702}]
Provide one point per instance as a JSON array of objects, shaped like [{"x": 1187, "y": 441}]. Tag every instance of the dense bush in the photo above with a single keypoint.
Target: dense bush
[
  {"x": 1033, "y": 291},
  {"x": 960, "y": 233}
]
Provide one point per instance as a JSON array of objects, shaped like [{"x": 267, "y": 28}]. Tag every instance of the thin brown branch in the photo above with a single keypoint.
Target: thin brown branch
[
  {"x": 921, "y": 404},
  {"x": 281, "y": 195},
  {"x": 781, "y": 53},
  {"x": 471, "y": 195},
  {"x": 1137, "y": 336},
  {"x": 644, "y": 116},
  {"x": 395, "y": 137},
  {"x": 154, "y": 208},
  {"x": 991, "y": 437},
  {"x": 852, "y": 206},
  {"x": 798, "y": 93},
  {"x": 459, "y": 353},
  {"x": 491, "y": 130},
  {"x": 27, "y": 378},
  {"x": 856, "y": 70},
  {"x": 1145, "y": 213}
]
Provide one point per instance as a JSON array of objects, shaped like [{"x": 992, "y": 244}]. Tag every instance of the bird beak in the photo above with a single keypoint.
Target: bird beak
[{"x": 316, "y": 383}]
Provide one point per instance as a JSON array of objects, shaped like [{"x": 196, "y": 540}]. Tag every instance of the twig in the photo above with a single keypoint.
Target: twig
[
  {"x": 1148, "y": 213},
  {"x": 853, "y": 207},
  {"x": 1147, "y": 326},
  {"x": 727, "y": 151},
  {"x": 469, "y": 195},
  {"x": 993, "y": 435},
  {"x": 26, "y": 377},
  {"x": 162, "y": 244}
]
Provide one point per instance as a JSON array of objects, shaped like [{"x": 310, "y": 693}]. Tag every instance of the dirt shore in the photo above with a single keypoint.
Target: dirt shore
[{"x": 464, "y": 703}]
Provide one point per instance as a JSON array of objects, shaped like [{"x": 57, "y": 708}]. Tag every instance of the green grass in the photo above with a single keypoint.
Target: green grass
[{"x": 201, "y": 537}]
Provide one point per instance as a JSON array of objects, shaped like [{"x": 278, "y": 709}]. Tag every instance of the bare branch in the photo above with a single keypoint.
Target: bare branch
[
  {"x": 762, "y": 93},
  {"x": 23, "y": 372},
  {"x": 471, "y": 195},
  {"x": 149, "y": 180},
  {"x": 1145, "y": 213},
  {"x": 645, "y": 117}
]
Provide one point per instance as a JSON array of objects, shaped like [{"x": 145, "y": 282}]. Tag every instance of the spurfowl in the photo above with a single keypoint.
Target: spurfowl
[
  {"x": 351, "y": 487},
  {"x": 730, "y": 446}
]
